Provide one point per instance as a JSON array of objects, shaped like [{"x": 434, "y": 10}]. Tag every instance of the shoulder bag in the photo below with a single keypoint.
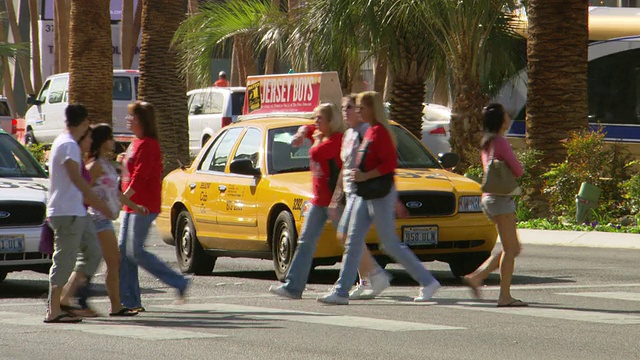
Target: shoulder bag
[
  {"x": 375, "y": 188},
  {"x": 498, "y": 178}
]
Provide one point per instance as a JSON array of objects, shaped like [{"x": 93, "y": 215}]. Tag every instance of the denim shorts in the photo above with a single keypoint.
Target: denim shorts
[
  {"x": 103, "y": 225},
  {"x": 494, "y": 205}
]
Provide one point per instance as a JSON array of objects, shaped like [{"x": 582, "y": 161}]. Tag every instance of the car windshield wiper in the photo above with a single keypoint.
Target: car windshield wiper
[{"x": 293, "y": 169}]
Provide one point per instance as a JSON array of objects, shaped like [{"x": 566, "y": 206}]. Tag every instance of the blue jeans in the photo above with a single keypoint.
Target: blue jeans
[
  {"x": 380, "y": 212},
  {"x": 133, "y": 234},
  {"x": 298, "y": 274}
]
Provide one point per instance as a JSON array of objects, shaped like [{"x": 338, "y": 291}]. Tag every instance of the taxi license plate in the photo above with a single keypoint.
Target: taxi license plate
[
  {"x": 11, "y": 243},
  {"x": 420, "y": 235}
]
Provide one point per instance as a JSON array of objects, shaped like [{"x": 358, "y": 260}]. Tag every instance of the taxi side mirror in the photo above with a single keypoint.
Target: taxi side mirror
[
  {"x": 243, "y": 167},
  {"x": 448, "y": 160}
]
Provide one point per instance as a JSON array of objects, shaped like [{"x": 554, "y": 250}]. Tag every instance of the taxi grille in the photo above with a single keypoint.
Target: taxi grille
[
  {"x": 429, "y": 203},
  {"x": 22, "y": 213}
]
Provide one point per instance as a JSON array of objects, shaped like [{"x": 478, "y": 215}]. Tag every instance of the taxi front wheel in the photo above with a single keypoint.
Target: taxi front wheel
[
  {"x": 283, "y": 244},
  {"x": 3, "y": 275},
  {"x": 191, "y": 257},
  {"x": 466, "y": 263}
]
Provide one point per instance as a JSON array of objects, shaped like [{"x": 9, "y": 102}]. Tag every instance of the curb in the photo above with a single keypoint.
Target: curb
[{"x": 594, "y": 239}]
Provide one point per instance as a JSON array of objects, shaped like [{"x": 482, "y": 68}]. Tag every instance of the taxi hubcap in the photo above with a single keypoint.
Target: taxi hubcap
[
  {"x": 283, "y": 249},
  {"x": 186, "y": 243}
]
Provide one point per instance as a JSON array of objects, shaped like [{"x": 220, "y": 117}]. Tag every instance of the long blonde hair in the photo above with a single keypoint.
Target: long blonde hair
[
  {"x": 332, "y": 114},
  {"x": 373, "y": 100}
]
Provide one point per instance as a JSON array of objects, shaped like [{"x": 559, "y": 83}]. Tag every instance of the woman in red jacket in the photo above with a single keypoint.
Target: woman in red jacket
[
  {"x": 142, "y": 183},
  {"x": 325, "y": 164}
]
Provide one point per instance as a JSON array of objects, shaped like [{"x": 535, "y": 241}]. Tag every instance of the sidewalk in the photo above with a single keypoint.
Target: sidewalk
[{"x": 580, "y": 238}]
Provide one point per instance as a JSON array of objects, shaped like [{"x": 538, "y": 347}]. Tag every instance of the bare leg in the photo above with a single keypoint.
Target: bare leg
[
  {"x": 504, "y": 260},
  {"x": 76, "y": 280},
  {"x": 111, "y": 255}
]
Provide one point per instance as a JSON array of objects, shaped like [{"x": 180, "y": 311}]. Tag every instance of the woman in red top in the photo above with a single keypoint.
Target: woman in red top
[
  {"x": 142, "y": 183},
  {"x": 325, "y": 165},
  {"x": 380, "y": 159},
  {"x": 500, "y": 209}
]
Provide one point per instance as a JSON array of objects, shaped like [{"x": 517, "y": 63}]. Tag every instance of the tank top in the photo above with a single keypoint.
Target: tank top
[{"x": 106, "y": 188}]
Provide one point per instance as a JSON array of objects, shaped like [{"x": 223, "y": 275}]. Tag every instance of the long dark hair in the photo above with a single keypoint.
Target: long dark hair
[
  {"x": 100, "y": 134},
  {"x": 493, "y": 118}
]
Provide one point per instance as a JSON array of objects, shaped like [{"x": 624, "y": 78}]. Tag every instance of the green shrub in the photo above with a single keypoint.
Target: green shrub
[{"x": 39, "y": 152}]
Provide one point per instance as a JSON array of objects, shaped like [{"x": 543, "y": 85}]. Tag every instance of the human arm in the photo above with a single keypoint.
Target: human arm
[
  {"x": 73, "y": 170},
  {"x": 380, "y": 147},
  {"x": 139, "y": 209},
  {"x": 142, "y": 166},
  {"x": 502, "y": 150},
  {"x": 304, "y": 132}
]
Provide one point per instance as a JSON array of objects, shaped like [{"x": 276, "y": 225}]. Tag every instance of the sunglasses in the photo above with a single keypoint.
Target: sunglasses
[{"x": 347, "y": 107}]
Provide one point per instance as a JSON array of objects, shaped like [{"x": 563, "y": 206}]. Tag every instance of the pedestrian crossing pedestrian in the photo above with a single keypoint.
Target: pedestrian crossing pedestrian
[{"x": 151, "y": 326}]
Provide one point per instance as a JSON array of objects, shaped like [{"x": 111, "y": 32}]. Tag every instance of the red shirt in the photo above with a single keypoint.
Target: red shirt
[
  {"x": 221, "y": 83},
  {"x": 381, "y": 153},
  {"x": 142, "y": 171},
  {"x": 320, "y": 157}
]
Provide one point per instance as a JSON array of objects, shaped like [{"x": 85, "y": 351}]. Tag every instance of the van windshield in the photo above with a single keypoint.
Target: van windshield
[
  {"x": 237, "y": 103},
  {"x": 122, "y": 88}
]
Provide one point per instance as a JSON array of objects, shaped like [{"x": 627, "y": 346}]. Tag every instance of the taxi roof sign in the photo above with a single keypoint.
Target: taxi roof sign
[{"x": 291, "y": 93}]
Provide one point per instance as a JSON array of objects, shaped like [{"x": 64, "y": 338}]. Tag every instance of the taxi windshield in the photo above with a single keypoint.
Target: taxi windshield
[
  {"x": 284, "y": 158},
  {"x": 15, "y": 160}
]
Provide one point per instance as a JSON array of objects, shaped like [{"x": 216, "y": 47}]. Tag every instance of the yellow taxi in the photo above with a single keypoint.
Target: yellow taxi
[{"x": 246, "y": 193}]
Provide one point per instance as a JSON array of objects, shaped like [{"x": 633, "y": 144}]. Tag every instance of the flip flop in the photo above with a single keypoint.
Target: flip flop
[
  {"x": 514, "y": 303},
  {"x": 60, "y": 319},
  {"x": 124, "y": 312},
  {"x": 78, "y": 311}
]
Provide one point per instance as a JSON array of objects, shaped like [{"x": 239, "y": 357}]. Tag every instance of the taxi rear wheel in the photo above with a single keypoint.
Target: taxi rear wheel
[
  {"x": 284, "y": 243},
  {"x": 3, "y": 275},
  {"x": 467, "y": 263},
  {"x": 191, "y": 257}
]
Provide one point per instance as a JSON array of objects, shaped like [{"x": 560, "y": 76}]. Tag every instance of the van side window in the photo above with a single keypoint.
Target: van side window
[
  {"x": 122, "y": 88},
  {"x": 196, "y": 104},
  {"x": 57, "y": 90},
  {"x": 216, "y": 104},
  {"x": 42, "y": 97}
]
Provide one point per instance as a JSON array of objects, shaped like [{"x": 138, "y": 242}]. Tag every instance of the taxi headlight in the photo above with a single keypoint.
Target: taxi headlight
[
  {"x": 467, "y": 204},
  {"x": 305, "y": 208}
]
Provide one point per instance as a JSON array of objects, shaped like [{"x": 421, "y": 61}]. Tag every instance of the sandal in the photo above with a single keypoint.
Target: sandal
[
  {"x": 78, "y": 311},
  {"x": 63, "y": 318},
  {"x": 124, "y": 312}
]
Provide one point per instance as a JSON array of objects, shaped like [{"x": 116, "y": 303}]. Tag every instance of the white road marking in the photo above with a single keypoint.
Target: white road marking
[
  {"x": 607, "y": 295},
  {"x": 272, "y": 314},
  {"x": 101, "y": 328},
  {"x": 558, "y": 314}
]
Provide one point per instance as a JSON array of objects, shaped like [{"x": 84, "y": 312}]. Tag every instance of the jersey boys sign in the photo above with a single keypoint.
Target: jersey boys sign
[{"x": 282, "y": 93}]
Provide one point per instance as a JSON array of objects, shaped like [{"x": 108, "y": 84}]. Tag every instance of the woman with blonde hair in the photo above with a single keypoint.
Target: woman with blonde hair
[
  {"x": 324, "y": 164},
  {"x": 377, "y": 159}
]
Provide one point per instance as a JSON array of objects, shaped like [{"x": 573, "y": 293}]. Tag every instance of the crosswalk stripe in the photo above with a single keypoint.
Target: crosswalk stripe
[
  {"x": 102, "y": 328},
  {"x": 607, "y": 295},
  {"x": 551, "y": 313},
  {"x": 273, "y": 314}
]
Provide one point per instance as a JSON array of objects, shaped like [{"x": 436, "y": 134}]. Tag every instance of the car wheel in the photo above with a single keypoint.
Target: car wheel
[
  {"x": 191, "y": 257},
  {"x": 29, "y": 139},
  {"x": 284, "y": 243},
  {"x": 464, "y": 264},
  {"x": 3, "y": 275}
]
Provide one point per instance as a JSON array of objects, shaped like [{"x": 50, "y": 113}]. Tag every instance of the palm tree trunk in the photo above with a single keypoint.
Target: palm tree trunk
[
  {"x": 61, "y": 30},
  {"x": 131, "y": 25},
  {"x": 557, "y": 87},
  {"x": 246, "y": 61},
  {"x": 23, "y": 60},
  {"x": 441, "y": 91},
  {"x": 380, "y": 73},
  {"x": 8, "y": 87},
  {"x": 35, "y": 45},
  {"x": 91, "y": 58},
  {"x": 466, "y": 121},
  {"x": 192, "y": 6},
  {"x": 160, "y": 80},
  {"x": 403, "y": 105}
]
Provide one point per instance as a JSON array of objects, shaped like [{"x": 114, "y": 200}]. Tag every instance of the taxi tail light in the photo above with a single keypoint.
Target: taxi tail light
[
  {"x": 438, "y": 131},
  {"x": 14, "y": 126},
  {"x": 226, "y": 121}
]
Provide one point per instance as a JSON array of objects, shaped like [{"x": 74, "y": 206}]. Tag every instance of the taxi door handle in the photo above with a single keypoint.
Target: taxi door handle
[
  {"x": 222, "y": 188},
  {"x": 192, "y": 186}
]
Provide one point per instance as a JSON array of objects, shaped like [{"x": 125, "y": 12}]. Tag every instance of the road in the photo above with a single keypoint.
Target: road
[{"x": 584, "y": 306}]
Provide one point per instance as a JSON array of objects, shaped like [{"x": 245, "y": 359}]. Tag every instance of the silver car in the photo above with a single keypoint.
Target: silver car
[
  {"x": 23, "y": 199},
  {"x": 435, "y": 128}
]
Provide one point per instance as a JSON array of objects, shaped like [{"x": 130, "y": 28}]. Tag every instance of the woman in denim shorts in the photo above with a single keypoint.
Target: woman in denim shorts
[
  {"x": 500, "y": 209},
  {"x": 104, "y": 183}
]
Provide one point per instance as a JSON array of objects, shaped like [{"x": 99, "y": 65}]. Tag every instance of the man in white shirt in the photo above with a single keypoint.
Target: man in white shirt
[{"x": 68, "y": 216}]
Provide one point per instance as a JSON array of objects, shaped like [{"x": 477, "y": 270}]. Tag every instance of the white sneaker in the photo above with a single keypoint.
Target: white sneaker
[
  {"x": 282, "y": 291},
  {"x": 362, "y": 291},
  {"x": 379, "y": 282},
  {"x": 333, "y": 299},
  {"x": 427, "y": 292}
]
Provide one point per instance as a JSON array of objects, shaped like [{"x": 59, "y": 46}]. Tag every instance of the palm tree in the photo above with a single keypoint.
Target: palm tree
[
  {"x": 557, "y": 79},
  {"x": 35, "y": 44},
  {"x": 160, "y": 80},
  {"x": 478, "y": 41},
  {"x": 61, "y": 25},
  {"x": 91, "y": 58},
  {"x": 23, "y": 59}
]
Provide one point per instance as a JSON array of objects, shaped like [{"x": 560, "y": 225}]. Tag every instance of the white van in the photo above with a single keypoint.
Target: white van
[
  {"x": 45, "y": 119},
  {"x": 210, "y": 109}
]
